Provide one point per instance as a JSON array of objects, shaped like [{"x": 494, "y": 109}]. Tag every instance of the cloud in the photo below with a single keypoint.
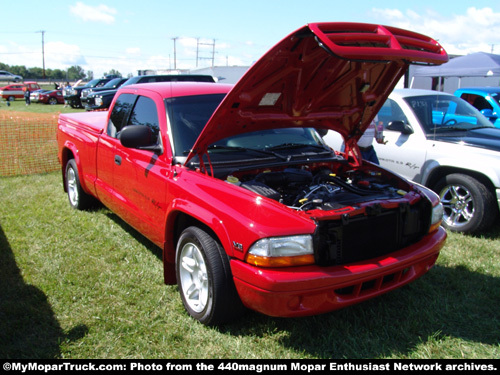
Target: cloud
[
  {"x": 136, "y": 51},
  {"x": 99, "y": 13},
  {"x": 475, "y": 30}
]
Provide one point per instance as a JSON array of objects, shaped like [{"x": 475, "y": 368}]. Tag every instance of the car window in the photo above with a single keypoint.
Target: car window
[
  {"x": 146, "y": 114},
  {"x": 391, "y": 111},
  {"x": 187, "y": 116},
  {"x": 441, "y": 113},
  {"x": 496, "y": 97},
  {"x": 121, "y": 109}
]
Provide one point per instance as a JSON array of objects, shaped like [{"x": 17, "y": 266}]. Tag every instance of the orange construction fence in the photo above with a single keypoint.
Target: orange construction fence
[{"x": 28, "y": 143}]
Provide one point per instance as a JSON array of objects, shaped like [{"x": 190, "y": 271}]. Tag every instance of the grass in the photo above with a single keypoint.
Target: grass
[{"x": 85, "y": 285}]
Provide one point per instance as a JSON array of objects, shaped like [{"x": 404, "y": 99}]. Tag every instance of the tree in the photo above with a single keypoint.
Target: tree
[
  {"x": 113, "y": 72},
  {"x": 75, "y": 73}
]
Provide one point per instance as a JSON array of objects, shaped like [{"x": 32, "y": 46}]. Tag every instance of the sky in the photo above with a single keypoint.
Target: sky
[{"x": 132, "y": 35}]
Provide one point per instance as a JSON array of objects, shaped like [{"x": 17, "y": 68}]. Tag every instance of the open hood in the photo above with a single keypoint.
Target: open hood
[{"x": 324, "y": 75}]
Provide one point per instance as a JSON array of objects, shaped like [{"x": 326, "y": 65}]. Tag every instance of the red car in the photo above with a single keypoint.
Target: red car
[
  {"x": 51, "y": 97},
  {"x": 237, "y": 187},
  {"x": 16, "y": 91}
]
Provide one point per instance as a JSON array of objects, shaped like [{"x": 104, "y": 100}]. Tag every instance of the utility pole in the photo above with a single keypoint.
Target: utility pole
[
  {"x": 207, "y": 58},
  {"x": 175, "y": 53},
  {"x": 43, "y": 51}
]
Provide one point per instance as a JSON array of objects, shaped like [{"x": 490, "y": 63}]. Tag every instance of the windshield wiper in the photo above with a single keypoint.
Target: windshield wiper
[
  {"x": 285, "y": 146},
  {"x": 236, "y": 148}
]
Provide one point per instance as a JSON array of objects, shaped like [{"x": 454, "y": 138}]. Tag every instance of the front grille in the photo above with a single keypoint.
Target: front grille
[{"x": 378, "y": 232}]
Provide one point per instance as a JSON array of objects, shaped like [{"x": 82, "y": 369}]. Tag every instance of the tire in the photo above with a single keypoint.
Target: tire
[
  {"x": 78, "y": 199},
  {"x": 204, "y": 279},
  {"x": 469, "y": 206},
  {"x": 11, "y": 98},
  {"x": 52, "y": 101}
]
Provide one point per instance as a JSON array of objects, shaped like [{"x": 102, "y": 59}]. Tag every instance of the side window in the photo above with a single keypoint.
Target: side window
[
  {"x": 480, "y": 103},
  {"x": 391, "y": 111},
  {"x": 120, "y": 112},
  {"x": 146, "y": 114}
]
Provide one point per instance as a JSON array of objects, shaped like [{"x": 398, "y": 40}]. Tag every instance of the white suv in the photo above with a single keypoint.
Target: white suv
[
  {"x": 6, "y": 76},
  {"x": 444, "y": 143}
]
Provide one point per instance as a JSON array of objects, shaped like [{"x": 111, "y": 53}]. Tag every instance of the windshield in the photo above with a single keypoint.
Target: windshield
[
  {"x": 443, "y": 113},
  {"x": 112, "y": 83},
  {"x": 187, "y": 116},
  {"x": 496, "y": 97},
  {"x": 93, "y": 83}
]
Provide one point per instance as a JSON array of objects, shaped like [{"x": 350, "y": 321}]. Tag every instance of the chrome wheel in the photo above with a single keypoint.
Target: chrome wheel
[
  {"x": 469, "y": 205},
  {"x": 193, "y": 277},
  {"x": 72, "y": 186},
  {"x": 458, "y": 205},
  {"x": 204, "y": 278}
]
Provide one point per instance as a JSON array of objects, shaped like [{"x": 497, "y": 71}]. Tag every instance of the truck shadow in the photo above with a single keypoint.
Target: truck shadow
[
  {"x": 447, "y": 302},
  {"x": 28, "y": 326}
]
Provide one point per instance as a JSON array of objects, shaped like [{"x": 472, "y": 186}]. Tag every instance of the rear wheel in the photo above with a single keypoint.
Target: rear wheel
[
  {"x": 204, "y": 278},
  {"x": 469, "y": 206},
  {"x": 52, "y": 101},
  {"x": 78, "y": 199}
]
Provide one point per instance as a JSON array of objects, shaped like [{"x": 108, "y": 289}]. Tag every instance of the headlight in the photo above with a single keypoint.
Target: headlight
[
  {"x": 98, "y": 101},
  {"x": 436, "y": 217},
  {"x": 282, "y": 251}
]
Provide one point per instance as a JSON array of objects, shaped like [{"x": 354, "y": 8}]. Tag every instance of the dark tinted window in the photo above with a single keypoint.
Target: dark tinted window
[
  {"x": 188, "y": 115},
  {"x": 120, "y": 112},
  {"x": 146, "y": 114}
]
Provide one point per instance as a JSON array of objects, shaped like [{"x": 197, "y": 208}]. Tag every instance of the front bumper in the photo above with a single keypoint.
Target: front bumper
[
  {"x": 73, "y": 100},
  {"x": 312, "y": 290}
]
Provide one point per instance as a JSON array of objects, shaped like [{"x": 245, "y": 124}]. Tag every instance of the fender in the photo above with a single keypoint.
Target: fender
[{"x": 463, "y": 165}]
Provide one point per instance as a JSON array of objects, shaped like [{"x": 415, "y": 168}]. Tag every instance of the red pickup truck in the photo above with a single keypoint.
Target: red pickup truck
[{"x": 236, "y": 186}]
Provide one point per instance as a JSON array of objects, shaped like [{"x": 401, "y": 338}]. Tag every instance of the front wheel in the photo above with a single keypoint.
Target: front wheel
[
  {"x": 469, "y": 206},
  {"x": 204, "y": 278}
]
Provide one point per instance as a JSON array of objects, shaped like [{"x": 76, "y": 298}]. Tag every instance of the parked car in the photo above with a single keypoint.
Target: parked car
[
  {"x": 72, "y": 95},
  {"x": 9, "y": 77},
  {"x": 103, "y": 99},
  {"x": 35, "y": 95},
  {"x": 485, "y": 99},
  {"x": 51, "y": 97},
  {"x": 444, "y": 143},
  {"x": 16, "y": 91},
  {"x": 114, "y": 84}
]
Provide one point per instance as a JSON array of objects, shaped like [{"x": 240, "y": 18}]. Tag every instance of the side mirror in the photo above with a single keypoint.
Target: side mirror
[
  {"x": 140, "y": 137},
  {"x": 400, "y": 126}
]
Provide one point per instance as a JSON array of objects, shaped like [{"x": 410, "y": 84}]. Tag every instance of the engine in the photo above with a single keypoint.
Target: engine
[{"x": 323, "y": 189}]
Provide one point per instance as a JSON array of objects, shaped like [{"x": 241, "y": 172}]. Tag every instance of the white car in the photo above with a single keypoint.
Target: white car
[
  {"x": 6, "y": 76},
  {"x": 444, "y": 143}
]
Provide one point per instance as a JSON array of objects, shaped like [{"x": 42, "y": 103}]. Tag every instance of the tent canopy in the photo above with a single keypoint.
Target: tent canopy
[{"x": 478, "y": 64}]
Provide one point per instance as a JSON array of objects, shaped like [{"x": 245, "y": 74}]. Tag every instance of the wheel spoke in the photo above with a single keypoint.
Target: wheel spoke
[{"x": 194, "y": 277}]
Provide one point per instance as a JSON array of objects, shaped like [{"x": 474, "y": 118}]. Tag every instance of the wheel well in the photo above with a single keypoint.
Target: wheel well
[
  {"x": 439, "y": 173},
  {"x": 183, "y": 221},
  {"x": 173, "y": 232}
]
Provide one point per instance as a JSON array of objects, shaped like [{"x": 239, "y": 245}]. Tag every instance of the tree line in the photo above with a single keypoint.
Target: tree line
[{"x": 73, "y": 73}]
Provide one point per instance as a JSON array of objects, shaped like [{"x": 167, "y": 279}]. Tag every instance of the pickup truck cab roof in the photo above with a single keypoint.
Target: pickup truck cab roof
[{"x": 485, "y": 99}]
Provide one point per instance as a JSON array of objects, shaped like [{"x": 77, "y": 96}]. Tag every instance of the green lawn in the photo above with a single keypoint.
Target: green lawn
[{"x": 85, "y": 285}]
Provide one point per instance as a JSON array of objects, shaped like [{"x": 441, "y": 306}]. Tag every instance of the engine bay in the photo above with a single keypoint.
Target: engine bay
[{"x": 320, "y": 187}]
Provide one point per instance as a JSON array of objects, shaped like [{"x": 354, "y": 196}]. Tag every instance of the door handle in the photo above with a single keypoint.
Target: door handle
[{"x": 118, "y": 160}]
